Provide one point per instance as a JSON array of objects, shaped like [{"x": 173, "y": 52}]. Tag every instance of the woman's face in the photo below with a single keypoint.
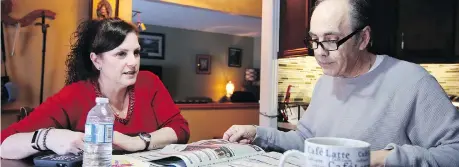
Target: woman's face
[
  {"x": 103, "y": 11},
  {"x": 120, "y": 65}
]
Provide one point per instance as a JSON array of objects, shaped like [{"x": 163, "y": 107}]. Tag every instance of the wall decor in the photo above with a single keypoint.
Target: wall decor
[
  {"x": 203, "y": 64},
  {"x": 28, "y": 19},
  {"x": 234, "y": 57},
  {"x": 152, "y": 45},
  {"x": 101, "y": 9}
]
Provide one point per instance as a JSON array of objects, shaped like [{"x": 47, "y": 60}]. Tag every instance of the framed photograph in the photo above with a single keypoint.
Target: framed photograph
[
  {"x": 152, "y": 45},
  {"x": 203, "y": 64},
  {"x": 234, "y": 57},
  {"x": 101, "y": 9}
]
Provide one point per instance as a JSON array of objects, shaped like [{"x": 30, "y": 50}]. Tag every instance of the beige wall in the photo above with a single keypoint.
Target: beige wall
[
  {"x": 24, "y": 68},
  {"x": 8, "y": 118},
  {"x": 256, "y": 52},
  {"x": 208, "y": 124},
  {"x": 244, "y": 7},
  {"x": 125, "y": 8},
  {"x": 182, "y": 46}
]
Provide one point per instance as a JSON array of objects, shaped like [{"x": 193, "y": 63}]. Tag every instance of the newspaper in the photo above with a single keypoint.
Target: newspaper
[{"x": 215, "y": 152}]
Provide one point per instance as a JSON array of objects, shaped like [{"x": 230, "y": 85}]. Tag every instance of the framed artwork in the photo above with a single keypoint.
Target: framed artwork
[
  {"x": 101, "y": 9},
  {"x": 152, "y": 45},
  {"x": 203, "y": 64},
  {"x": 234, "y": 57}
]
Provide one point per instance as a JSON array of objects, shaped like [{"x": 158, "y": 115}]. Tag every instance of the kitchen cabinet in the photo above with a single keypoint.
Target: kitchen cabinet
[
  {"x": 384, "y": 27},
  {"x": 427, "y": 31},
  {"x": 419, "y": 31},
  {"x": 294, "y": 26}
]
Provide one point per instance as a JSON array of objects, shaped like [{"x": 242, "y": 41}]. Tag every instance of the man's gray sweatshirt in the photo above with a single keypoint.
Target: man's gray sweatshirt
[{"x": 398, "y": 105}]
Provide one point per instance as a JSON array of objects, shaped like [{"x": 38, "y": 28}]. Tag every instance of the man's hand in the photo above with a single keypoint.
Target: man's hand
[
  {"x": 127, "y": 143},
  {"x": 243, "y": 134},
  {"x": 378, "y": 158}
]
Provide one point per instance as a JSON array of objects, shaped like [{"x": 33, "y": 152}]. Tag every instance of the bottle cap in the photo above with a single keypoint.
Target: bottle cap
[{"x": 102, "y": 100}]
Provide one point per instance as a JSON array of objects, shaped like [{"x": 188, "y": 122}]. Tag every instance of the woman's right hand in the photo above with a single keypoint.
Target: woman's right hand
[{"x": 63, "y": 141}]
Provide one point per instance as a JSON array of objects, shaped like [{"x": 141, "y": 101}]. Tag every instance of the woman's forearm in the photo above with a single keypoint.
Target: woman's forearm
[
  {"x": 159, "y": 139},
  {"x": 17, "y": 146},
  {"x": 162, "y": 137}
]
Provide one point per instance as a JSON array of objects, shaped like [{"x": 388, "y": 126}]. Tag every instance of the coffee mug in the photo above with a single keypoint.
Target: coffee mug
[{"x": 332, "y": 152}]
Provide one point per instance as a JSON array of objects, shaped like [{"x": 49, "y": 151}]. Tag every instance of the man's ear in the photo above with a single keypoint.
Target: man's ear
[
  {"x": 365, "y": 37},
  {"x": 95, "y": 60}
]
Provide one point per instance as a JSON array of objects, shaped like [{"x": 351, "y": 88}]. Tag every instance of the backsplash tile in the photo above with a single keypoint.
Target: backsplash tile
[
  {"x": 300, "y": 72},
  {"x": 303, "y": 72},
  {"x": 447, "y": 75}
]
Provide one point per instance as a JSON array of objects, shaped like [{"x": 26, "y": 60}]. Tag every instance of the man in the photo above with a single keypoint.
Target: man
[{"x": 396, "y": 106}]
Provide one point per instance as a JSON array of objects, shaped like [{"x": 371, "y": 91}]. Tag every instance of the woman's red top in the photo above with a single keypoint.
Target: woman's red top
[{"x": 153, "y": 110}]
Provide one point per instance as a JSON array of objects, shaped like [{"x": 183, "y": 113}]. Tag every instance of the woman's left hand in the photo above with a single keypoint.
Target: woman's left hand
[
  {"x": 378, "y": 157},
  {"x": 127, "y": 143}
]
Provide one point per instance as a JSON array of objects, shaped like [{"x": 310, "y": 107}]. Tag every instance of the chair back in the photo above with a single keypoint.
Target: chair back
[{"x": 24, "y": 112}]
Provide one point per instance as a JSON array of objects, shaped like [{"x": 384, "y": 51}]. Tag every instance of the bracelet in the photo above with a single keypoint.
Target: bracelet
[
  {"x": 35, "y": 137},
  {"x": 38, "y": 139},
  {"x": 44, "y": 138}
]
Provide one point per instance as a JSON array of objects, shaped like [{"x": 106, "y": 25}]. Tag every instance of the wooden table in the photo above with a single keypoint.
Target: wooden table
[
  {"x": 28, "y": 162},
  {"x": 17, "y": 163}
]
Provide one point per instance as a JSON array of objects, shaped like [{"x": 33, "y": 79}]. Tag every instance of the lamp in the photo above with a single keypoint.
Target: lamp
[
  {"x": 229, "y": 89},
  {"x": 229, "y": 93}
]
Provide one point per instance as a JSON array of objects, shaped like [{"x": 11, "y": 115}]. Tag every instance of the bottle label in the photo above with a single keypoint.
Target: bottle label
[{"x": 98, "y": 133}]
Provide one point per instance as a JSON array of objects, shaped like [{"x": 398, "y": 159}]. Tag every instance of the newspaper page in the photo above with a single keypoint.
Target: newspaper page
[
  {"x": 202, "y": 153},
  {"x": 264, "y": 160}
]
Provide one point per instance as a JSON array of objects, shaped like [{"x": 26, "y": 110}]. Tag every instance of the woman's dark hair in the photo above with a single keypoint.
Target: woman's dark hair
[{"x": 96, "y": 36}]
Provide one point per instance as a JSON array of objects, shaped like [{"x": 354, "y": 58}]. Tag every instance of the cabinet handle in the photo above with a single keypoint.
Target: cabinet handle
[{"x": 402, "y": 44}]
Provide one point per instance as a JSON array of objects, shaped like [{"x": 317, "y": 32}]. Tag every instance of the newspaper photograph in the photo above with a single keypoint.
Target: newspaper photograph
[{"x": 201, "y": 153}]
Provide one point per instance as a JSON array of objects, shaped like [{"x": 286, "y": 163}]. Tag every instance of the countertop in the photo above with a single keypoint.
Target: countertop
[
  {"x": 183, "y": 106},
  {"x": 219, "y": 106}
]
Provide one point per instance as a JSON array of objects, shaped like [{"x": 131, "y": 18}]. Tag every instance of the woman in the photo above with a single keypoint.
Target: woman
[
  {"x": 104, "y": 10},
  {"x": 103, "y": 62}
]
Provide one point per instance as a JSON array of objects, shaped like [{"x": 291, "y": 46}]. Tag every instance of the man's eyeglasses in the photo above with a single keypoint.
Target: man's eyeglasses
[{"x": 329, "y": 45}]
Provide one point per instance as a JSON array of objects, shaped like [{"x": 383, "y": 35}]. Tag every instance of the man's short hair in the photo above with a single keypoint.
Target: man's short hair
[{"x": 360, "y": 12}]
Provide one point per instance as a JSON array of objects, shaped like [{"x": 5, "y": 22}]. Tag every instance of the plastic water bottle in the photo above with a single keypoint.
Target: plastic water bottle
[{"x": 98, "y": 135}]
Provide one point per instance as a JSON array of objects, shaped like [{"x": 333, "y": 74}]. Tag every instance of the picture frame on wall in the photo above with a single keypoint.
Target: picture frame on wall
[
  {"x": 203, "y": 64},
  {"x": 101, "y": 9},
  {"x": 234, "y": 57},
  {"x": 152, "y": 45}
]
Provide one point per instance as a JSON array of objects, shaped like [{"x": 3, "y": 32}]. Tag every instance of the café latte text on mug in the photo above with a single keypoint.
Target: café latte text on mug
[{"x": 332, "y": 152}]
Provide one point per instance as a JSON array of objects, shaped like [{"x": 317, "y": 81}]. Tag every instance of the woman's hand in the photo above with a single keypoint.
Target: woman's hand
[
  {"x": 63, "y": 141},
  {"x": 127, "y": 143}
]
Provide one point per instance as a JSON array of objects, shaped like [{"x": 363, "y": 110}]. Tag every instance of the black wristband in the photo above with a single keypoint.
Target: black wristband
[
  {"x": 37, "y": 142},
  {"x": 34, "y": 141}
]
